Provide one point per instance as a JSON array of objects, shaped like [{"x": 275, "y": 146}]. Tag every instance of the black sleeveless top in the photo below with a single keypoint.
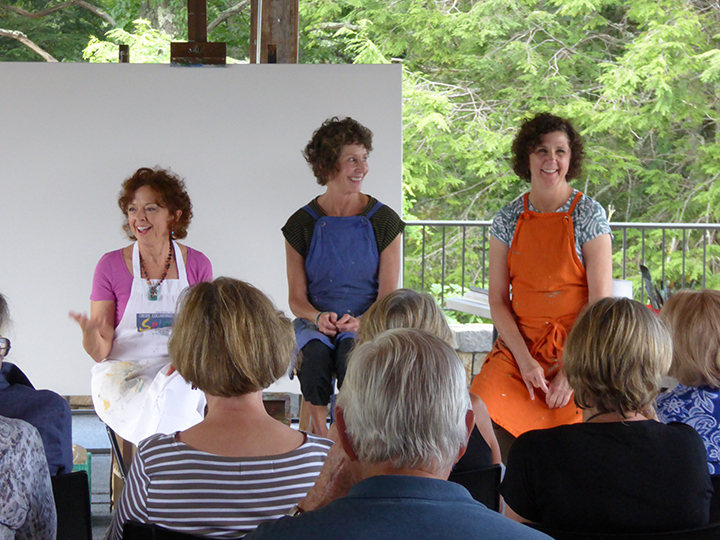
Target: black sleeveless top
[{"x": 477, "y": 455}]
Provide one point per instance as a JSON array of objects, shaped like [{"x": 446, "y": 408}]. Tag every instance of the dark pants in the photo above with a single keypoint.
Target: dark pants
[{"x": 318, "y": 364}]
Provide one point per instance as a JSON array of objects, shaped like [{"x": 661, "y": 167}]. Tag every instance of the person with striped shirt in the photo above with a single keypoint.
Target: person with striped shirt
[{"x": 238, "y": 467}]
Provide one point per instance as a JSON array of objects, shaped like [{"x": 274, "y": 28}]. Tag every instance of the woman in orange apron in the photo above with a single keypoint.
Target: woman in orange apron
[{"x": 550, "y": 254}]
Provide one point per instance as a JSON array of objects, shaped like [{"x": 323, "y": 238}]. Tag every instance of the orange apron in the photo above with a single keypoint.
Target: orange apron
[{"x": 549, "y": 288}]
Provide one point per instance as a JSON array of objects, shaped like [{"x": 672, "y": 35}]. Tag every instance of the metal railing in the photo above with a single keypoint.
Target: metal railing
[{"x": 453, "y": 255}]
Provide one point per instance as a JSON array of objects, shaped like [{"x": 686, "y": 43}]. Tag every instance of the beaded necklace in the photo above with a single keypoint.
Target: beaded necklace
[{"x": 153, "y": 291}]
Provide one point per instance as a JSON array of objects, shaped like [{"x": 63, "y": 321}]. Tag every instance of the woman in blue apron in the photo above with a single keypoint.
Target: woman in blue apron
[{"x": 343, "y": 252}]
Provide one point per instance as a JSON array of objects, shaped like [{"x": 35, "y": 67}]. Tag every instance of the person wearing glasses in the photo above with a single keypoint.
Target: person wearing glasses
[{"x": 45, "y": 410}]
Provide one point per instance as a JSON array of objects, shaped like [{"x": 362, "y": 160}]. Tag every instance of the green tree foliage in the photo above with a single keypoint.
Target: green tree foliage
[{"x": 638, "y": 78}]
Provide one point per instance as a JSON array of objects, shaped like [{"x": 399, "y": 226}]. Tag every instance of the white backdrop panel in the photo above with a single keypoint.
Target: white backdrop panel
[{"x": 71, "y": 133}]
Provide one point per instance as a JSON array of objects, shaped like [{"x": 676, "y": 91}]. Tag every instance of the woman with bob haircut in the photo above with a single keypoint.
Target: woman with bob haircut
[
  {"x": 405, "y": 308},
  {"x": 244, "y": 466},
  {"x": 552, "y": 247},
  {"x": 694, "y": 320},
  {"x": 343, "y": 253},
  {"x": 620, "y": 471},
  {"x": 134, "y": 294}
]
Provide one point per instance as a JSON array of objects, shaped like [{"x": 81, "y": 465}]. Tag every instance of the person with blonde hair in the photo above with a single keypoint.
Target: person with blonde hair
[
  {"x": 620, "y": 471},
  {"x": 405, "y": 308},
  {"x": 239, "y": 466},
  {"x": 694, "y": 320}
]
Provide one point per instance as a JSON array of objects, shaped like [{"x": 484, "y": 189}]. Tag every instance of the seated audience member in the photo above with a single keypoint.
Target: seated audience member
[
  {"x": 694, "y": 320},
  {"x": 45, "y": 410},
  {"x": 239, "y": 466},
  {"x": 27, "y": 506},
  {"x": 620, "y": 470},
  {"x": 403, "y": 419},
  {"x": 405, "y": 308}
]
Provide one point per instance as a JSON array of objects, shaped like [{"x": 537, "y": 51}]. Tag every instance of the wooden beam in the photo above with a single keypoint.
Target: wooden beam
[
  {"x": 278, "y": 33},
  {"x": 197, "y": 51}
]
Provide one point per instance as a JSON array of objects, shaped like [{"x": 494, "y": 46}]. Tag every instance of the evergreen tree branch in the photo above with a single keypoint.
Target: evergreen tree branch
[
  {"x": 22, "y": 38},
  {"x": 81, "y": 3}
]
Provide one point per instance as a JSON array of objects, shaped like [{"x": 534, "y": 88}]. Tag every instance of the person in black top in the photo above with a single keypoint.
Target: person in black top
[{"x": 620, "y": 470}]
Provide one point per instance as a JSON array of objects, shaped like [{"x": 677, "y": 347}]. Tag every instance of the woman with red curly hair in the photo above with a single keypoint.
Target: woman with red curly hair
[
  {"x": 552, "y": 248},
  {"x": 343, "y": 252},
  {"x": 135, "y": 290}
]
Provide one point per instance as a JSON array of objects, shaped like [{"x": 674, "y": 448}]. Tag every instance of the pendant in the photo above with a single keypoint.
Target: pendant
[{"x": 153, "y": 292}]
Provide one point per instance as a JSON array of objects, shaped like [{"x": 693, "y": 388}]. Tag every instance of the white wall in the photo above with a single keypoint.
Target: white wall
[{"x": 71, "y": 133}]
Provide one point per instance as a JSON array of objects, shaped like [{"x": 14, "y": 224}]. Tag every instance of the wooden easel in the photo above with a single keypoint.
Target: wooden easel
[{"x": 197, "y": 51}]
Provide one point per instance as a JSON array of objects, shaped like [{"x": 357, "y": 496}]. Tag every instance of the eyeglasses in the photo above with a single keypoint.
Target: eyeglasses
[{"x": 4, "y": 347}]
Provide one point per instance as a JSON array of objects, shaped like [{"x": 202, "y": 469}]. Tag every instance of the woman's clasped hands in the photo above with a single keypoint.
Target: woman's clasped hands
[
  {"x": 329, "y": 324},
  {"x": 557, "y": 391}
]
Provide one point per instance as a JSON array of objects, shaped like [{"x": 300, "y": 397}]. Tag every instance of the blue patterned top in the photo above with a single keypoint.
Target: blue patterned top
[
  {"x": 698, "y": 408},
  {"x": 27, "y": 506},
  {"x": 589, "y": 220}
]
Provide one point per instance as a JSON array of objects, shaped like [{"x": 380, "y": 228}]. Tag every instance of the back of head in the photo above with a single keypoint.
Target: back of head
[
  {"x": 616, "y": 355},
  {"x": 4, "y": 313},
  {"x": 228, "y": 339},
  {"x": 404, "y": 308},
  {"x": 694, "y": 320},
  {"x": 404, "y": 401}
]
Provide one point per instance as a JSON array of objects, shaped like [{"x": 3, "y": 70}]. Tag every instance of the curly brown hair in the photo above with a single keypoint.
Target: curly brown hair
[
  {"x": 530, "y": 136},
  {"x": 323, "y": 150},
  {"x": 171, "y": 192}
]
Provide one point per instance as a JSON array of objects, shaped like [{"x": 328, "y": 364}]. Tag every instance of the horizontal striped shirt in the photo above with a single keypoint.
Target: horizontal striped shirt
[{"x": 185, "y": 489}]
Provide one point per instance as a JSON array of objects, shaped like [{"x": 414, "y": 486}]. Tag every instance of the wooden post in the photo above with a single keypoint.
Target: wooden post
[
  {"x": 123, "y": 54},
  {"x": 274, "y": 28},
  {"x": 197, "y": 51}
]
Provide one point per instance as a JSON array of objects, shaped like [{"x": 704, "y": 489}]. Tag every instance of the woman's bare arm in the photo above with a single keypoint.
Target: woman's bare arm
[
  {"x": 98, "y": 329},
  {"x": 297, "y": 293},
  {"x": 598, "y": 266},
  {"x": 484, "y": 425}
]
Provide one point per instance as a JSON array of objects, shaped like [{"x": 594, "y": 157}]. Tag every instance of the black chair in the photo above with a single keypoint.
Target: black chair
[
  {"x": 72, "y": 502},
  {"x": 710, "y": 532},
  {"x": 132, "y": 530},
  {"x": 715, "y": 501},
  {"x": 482, "y": 484}
]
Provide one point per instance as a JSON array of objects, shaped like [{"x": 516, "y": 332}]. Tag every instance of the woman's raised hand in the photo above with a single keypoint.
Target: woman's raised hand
[
  {"x": 533, "y": 375},
  {"x": 87, "y": 324}
]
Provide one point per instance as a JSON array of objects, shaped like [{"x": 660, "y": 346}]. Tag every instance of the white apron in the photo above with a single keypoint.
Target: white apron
[{"x": 130, "y": 388}]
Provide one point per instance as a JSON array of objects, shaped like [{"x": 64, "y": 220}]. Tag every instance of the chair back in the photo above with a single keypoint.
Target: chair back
[
  {"x": 482, "y": 484},
  {"x": 715, "y": 501},
  {"x": 710, "y": 532},
  {"x": 72, "y": 503},
  {"x": 132, "y": 530}
]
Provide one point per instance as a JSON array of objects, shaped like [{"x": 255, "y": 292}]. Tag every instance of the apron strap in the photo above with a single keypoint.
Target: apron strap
[
  {"x": 378, "y": 206},
  {"x": 312, "y": 212},
  {"x": 180, "y": 263},
  {"x": 574, "y": 203}
]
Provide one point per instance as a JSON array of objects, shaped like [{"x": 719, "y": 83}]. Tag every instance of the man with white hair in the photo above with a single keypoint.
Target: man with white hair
[{"x": 403, "y": 419}]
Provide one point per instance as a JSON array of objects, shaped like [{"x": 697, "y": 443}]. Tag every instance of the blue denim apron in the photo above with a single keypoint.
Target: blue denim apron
[{"x": 342, "y": 271}]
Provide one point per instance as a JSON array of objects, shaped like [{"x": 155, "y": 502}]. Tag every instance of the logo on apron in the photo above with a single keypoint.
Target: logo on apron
[{"x": 153, "y": 321}]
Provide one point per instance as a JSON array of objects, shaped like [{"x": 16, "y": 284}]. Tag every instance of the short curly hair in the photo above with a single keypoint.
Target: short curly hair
[
  {"x": 530, "y": 136},
  {"x": 323, "y": 150},
  {"x": 171, "y": 192}
]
